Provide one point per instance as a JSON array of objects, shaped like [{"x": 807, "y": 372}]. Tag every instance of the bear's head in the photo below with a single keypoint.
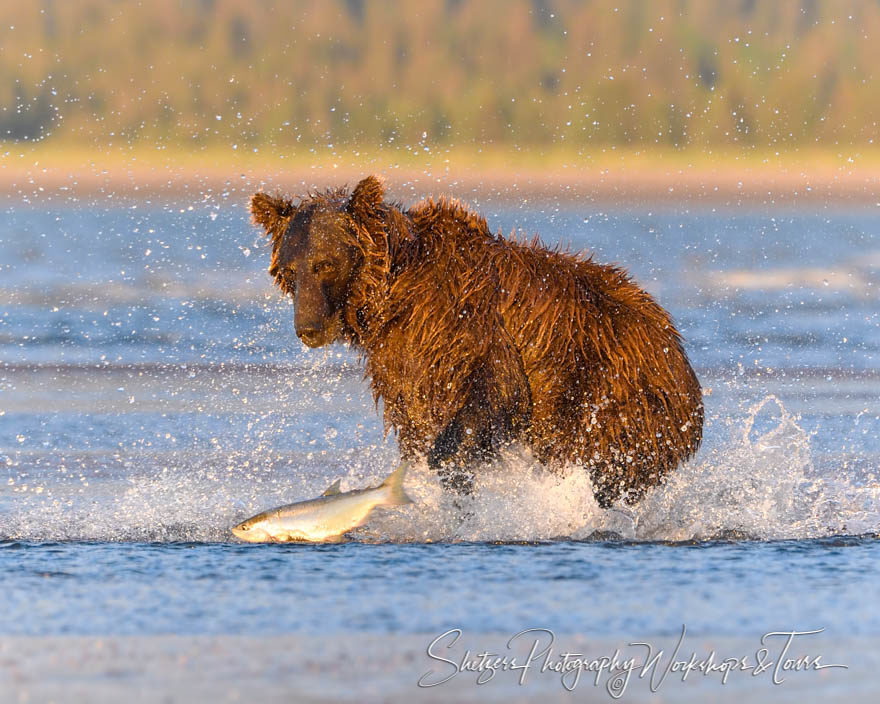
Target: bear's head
[{"x": 316, "y": 254}]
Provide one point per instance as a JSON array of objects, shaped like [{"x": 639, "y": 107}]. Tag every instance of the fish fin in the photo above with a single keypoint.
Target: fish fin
[
  {"x": 396, "y": 495},
  {"x": 333, "y": 489}
]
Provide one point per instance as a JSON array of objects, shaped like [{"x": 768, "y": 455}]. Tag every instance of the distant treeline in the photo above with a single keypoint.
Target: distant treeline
[{"x": 361, "y": 74}]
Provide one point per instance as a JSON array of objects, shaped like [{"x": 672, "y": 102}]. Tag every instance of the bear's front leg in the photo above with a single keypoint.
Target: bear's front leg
[{"x": 470, "y": 439}]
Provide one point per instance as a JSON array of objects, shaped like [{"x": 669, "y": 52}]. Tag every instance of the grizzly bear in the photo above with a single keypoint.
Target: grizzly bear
[{"x": 474, "y": 340}]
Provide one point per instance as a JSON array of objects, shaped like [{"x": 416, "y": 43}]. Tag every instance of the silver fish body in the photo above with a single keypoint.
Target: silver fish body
[{"x": 325, "y": 518}]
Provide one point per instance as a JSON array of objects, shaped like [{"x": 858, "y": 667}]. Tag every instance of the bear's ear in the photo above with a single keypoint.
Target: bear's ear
[
  {"x": 366, "y": 198},
  {"x": 272, "y": 212}
]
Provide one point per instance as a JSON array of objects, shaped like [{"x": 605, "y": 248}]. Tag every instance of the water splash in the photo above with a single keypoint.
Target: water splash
[{"x": 758, "y": 483}]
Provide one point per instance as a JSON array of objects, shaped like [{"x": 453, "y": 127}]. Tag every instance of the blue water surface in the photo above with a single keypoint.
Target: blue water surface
[
  {"x": 152, "y": 393},
  {"x": 601, "y": 589}
]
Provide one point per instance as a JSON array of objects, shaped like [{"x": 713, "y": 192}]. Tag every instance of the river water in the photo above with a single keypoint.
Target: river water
[{"x": 152, "y": 394}]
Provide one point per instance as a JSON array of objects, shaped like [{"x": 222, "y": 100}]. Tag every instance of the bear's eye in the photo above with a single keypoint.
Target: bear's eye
[{"x": 323, "y": 267}]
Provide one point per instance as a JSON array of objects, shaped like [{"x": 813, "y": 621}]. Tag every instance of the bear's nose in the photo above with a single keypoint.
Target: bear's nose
[{"x": 309, "y": 334}]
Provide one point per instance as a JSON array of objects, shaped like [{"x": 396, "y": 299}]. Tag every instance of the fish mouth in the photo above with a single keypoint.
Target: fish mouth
[{"x": 249, "y": 535}]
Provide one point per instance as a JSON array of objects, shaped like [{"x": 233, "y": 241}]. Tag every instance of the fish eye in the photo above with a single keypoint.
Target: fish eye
[{"x": 244, "y": 527}]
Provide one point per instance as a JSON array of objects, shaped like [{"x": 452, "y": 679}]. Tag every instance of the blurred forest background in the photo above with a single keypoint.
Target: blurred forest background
[
  {"x": 771, "y": 74},
  {"x": 540, "y": 82}
]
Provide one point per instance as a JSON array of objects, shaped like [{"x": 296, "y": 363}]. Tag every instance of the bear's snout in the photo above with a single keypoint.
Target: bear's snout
[{"x": 311, "y": 336}]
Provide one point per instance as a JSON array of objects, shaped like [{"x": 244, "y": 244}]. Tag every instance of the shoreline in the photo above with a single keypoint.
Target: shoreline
[{"x": 622, "y": 180}]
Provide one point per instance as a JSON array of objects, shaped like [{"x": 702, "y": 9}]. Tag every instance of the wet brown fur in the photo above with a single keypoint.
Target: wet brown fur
[{"x": 464, "y": 330}]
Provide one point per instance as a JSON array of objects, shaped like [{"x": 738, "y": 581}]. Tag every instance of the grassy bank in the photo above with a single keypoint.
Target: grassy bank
[{"x": 601, "y": 174}]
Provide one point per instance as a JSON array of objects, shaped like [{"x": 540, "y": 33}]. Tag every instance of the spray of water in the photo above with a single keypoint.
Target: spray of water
[{"x": 759, "y": 482}]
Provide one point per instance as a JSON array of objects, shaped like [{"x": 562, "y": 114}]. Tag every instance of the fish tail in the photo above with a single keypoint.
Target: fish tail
[{"x": 394, "y": 483}]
